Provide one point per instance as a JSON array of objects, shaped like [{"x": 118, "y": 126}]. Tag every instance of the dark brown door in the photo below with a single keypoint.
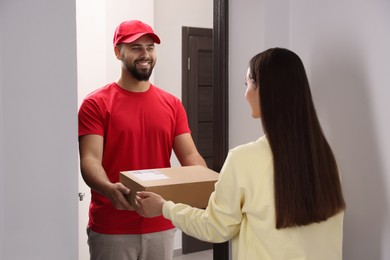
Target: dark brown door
[
  {"x": 197, "y": 89},
  {"x": 206, "y": 113},
  {"x": 197, "y": 98}
]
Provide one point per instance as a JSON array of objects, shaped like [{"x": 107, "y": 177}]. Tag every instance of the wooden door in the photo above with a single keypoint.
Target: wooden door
[
  {"x": 197, "y": 98},
  {"x": 197, "y": 89},
  {"x": 206, "y": 118}
]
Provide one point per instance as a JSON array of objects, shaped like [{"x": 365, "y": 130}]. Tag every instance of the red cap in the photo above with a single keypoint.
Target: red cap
[{"x": 130, "y": 31}]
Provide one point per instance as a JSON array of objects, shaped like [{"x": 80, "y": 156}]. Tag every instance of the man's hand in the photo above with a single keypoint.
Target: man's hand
[
  {"x": 149, "y": 204},
  {"x": 116, "y": 193}
]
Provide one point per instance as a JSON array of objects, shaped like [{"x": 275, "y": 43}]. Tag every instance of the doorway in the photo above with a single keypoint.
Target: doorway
[
  {"x": 201, "y": 98},
  {"x": 197, "y": 98},
  {"x": 97, "y": 66}
]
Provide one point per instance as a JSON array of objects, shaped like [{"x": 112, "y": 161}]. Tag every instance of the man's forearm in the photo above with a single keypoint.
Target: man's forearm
[
  {"x": 194, "y": 159},
  {"x": 94, "y": 175}
]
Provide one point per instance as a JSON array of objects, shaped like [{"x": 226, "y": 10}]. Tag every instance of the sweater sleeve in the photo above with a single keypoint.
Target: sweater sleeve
[{"x": 221, "y": 220}]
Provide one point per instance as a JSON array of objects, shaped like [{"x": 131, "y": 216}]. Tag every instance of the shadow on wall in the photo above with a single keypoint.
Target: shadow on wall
[{"x": 341, "y": 93}]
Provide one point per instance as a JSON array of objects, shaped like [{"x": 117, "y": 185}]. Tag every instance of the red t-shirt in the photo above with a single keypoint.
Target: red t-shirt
[{"x": 138, "y": 129}]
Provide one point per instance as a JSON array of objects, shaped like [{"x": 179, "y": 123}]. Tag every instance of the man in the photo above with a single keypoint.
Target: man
[{"x": 126, "y": 125}]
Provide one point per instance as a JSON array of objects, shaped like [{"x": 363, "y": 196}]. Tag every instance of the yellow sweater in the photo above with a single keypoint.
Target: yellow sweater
[{"x": 242, "y": 209}]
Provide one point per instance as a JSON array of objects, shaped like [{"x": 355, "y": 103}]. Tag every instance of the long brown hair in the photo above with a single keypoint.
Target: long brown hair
[{"x": 306, "y": 178}]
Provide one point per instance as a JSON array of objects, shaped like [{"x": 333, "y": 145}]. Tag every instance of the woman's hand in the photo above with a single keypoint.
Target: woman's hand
[{"x": 149, "y": 204}]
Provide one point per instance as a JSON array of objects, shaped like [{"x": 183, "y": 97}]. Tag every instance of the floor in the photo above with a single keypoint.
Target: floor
[{"x": 201, "y": 255}]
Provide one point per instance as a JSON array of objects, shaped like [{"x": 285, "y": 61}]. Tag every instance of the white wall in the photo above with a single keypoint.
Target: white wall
[
  {"x": 344, "y": 46},
  {"x": 2, "y": 162},
  {"x": 246, "y": 38},
  {"x": 348, "y": 62},
  {"x": 38, "y": 126}
]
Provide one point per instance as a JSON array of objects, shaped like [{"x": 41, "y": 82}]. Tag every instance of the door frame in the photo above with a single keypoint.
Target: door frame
[
  {"x": 221, "y": 86},
  {"x": 221, "y": 80}
]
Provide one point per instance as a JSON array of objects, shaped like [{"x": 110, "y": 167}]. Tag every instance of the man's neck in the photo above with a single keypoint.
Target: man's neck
[{"x": 133, "y": 85}]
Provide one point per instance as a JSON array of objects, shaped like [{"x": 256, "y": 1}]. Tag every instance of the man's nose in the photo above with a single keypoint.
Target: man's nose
[{"x": 144, "y": 52}]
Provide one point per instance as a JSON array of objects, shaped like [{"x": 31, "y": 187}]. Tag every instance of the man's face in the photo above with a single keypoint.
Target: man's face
[{"x": 139, "y": 57}]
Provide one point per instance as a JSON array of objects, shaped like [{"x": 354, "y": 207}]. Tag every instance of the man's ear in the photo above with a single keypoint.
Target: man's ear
[{"x": 117, "y": 51}]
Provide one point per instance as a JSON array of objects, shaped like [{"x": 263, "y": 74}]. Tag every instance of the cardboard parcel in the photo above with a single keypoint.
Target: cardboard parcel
[{"x": 191, "y": 185}]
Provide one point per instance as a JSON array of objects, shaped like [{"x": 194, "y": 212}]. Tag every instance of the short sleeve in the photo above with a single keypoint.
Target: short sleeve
[
  {"x": 182, "y": 126},
  {"x": 90, "y": 119}
]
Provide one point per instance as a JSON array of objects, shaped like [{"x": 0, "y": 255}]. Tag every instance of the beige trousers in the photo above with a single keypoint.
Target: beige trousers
[{"x": 152, "y": 246}]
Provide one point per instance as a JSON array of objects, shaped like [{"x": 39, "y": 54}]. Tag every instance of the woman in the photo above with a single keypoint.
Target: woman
[{"x": 279, "y": 197}]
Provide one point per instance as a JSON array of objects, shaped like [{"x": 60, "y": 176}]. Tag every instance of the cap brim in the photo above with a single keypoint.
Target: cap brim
[{"x": 134, "y": 37}]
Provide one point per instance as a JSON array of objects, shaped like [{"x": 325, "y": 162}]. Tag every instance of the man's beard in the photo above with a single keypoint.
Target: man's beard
[{"x": 139, "y": 74}]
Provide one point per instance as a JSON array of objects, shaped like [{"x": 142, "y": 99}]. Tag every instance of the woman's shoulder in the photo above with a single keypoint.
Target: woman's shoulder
[
  {"x": 260, "y": 144},
  {"x": 252, "y": 160},
  {"x": 252, "y": 150}
]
